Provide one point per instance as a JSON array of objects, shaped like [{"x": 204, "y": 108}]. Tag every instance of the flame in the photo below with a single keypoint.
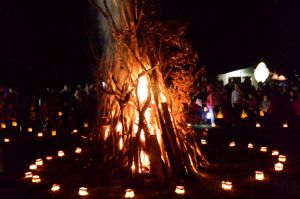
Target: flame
[
  {"x": 163, "y": 98},
  {"x": 121, "y": 144},
  {"x": 119, "y": 127},
  {"x": 142, "y": 89},
  {"x": 145, "y": 159}
]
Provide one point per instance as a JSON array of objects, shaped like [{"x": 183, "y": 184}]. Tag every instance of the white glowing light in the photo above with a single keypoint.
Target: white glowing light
[
  {"x": 129, "y": 193},
  {"x": 203, "y": 141},
  {"x": 7, "y": 140},
  {"x": 39, "y": 162},
  {"x": 261, "y": 72},
  {"x": 49, "y": 157},
  {"x": 78, "y": 150},
  {"x": 232, "y": 144},
  {"x": 83, "y": 191},
  {"x": 275, "y": 152},
  {"x": 28, "y": 174},
  {"x": 263, "y": 149},
  {"x": 250, "y": 146},
  {"x": 55, "y": 187},
  {"x": 259, "y": 175},
  {"x": 282, "y": 158},
  {"x": 180, "y": 190},
  {"x": 142, "y": 89},
  {"x": 278, "y": 166},
  {"x": 226, "y": 185},
  {"x": 32, "y": 167},
  {"x": 60, "y": 153},
  {"x": 36, "y": 179}
]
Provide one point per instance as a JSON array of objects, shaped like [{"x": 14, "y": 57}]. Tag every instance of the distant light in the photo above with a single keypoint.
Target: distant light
[
  {"x": 259, "y": 175},
  {"x": 226, "y": 185},
  {"x": 83, "y": 191},
  {"x": 60, "y": 153},
  {"x": 275, "y": 153},
  {"x": 282, "y": 158},
  {"x": 261, "y": 73},
  {"x": 263, "y": 149},
  {"x": 129, "y": 193},
  {"x": 28, "y": 174},
  {"x": 281, "y": 78},
  {"x": 203, "y": 141},
  {"x": 278, "y": 166},
  {"x": 55, "y": 187},
  {"x": 180, "y": 190},
  {"x": 250, "y": 146}
]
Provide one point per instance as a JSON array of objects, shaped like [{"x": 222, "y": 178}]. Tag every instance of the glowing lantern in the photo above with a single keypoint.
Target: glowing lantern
[
  {"x": 259, "y": 175},
  {"x": 129, "y": 193},
  {"x": 74, "y": 131},
  {"x": 281, "y": 78},
  {"x": 29, "y": 129},
  {"x": 226, "y": 185},
  {"x": 36, "y": 179},
  {"x": 250, "y": 146},
  {"x": 244, "y": 115},
  {"x": 38, "y": 162},
  {"x": 78, "y": 150},
  {"x": 282, "y": 158},
  {"x": 7, "y": 140},
  {"x": 180, "y": 190},
  {"x": 32, "y": 167},
  {"x": 53, "y": 132},
  {"x": 263, "y": 149},
  {"x": 59, "y": 113},
  {"x": 220, "y": 114},
  {"x": 85, "y": 125},
  {"x": 285, "y": 125},
  {"x": 28, "y": 174},
  {"x": 49, "y": 157},
  {"x": 40, "y": 134},
  {"x": 275, "y": 152},
  {"x": 203, "y": 141},
  {"x": 55, "y": 187},
  {"x": 189, "y": 125},
  {"x": 213, "y": 125},
  {"x": 14, "y": 124},
  {"x": 261, "y": 73},
  {"x": 261, "y": 113},
  {"x": 83, "y": 191},
  {"x": 60, "y": 153},
  {"x": 232, "y": 144},
  {"x": 278, "y": 166},
  {"x": 3, "y": 125},
  {"x": 257, "y": 125}
]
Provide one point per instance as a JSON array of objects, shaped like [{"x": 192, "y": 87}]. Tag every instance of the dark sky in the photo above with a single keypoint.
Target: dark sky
[{"x": 46, "y": 40}]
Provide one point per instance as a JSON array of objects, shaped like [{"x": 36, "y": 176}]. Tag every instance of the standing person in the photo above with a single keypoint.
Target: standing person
[
  {"x": 210, "y": 102},
  {"x": 236, "y": 103}
]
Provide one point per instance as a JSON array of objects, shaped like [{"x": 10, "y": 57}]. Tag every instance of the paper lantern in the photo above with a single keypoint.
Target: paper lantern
[
  {"x": 285, "y": 125},
  {"x": 281, "y": 158},
  {"x": 32, "y": 167},
  {"x": 49, "y": 157},
  {"x": 29, "y": 129},
  {"x": 257, "y": 125},
  {"x": 36, "y": 179},
  {"x": 180, "y": 190},
  {"x": 261, "y": 113},
  {"x": 232, "y": 144},
  {"x": 263, "y": 149},
  {"x": 259, "y": 175},
  {"x": 78, "y": 150},
  {"x": 3, "y": 125},
  {"x": 83, "y": 191},
  {"x": 226, "y": 185},
  {"x": 250, "y": 146},
  {"x": 261, "y": 73},
  {"x": 59, "y": 114},
  {"x": 7, "y": 140},
  {"x": 275, "y": 152},
  {"x": 53, "y": 132},
  {"x": 74, "y": 131},
  {"x": 244, "y": 115},
  {"x": 203, "y": 141},
  {"x": 55, "y": 187},
  {"x": 38, "y": 162},
  {"x": 129, "y": 193},
  {"x": 220, "y": 114},
  {"x": 40, "y": 134},
  {"x": 278, "y": 166},
  {"x": 85, "y": 125},
  {"x": 14, "y": 124},
  {"x": 61, "y": 153},
  {"x": 28, "y": 174}
]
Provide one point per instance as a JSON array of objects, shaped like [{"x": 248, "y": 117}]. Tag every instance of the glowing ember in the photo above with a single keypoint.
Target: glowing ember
[
  {"x": 32, "y": 167},
  {"x": 226, "y": 185},
  {"x": 40, "y": 134},
  {"x": 180, "y": 190},
  {"x": 275, "y": 152},
  {"x": 36, "y": 179},
  {"x": 78, "y": 150},
  {"x": 29, "y": 130},
  {"x": 53, "y": 132},
  {"x": 83, "y": 191},
  {"x": 259, "y": 175},
  {"x": 282, "y": 158},
  {"x": 121, "y": 143},
  {"x": 38, "y": 162},
  {"x": 3, "y": 125},
  {"x": 85, "y": 125},
  {"x": 142, "y": 89},
  {"x": 59, "y": 114},
  {"x": 55, "y": 187},
  {"x": 6, "y": 140},
  {"x": 232, "y": 144},
  {"x": 203, "y": 141},
  {"x": 49, "y": 157},
  {"x": 163, "y": 98},
  {"x": 250, "y": 146},
  {"x": 28, "y": 174},
  {"x": 61, "y": 153},
  {"x": 278, "y": 166},
  {"x": 263, "y": 149},
  {"x": 285, "y": 125},
  {"x": 14, "y": 124},
  {"x": 129, "y": 193},
  {"x": 257, "y": 125},
  {"x": 119, "y": 127}
]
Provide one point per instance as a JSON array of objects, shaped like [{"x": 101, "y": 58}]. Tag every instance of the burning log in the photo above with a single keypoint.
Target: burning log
[{"x": 140, "y": 96}]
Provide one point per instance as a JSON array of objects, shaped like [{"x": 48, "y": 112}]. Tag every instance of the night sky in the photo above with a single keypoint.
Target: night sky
[{"x": 46, "y": 41}]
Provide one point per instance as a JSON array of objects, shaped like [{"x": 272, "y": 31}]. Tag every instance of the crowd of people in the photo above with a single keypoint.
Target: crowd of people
[
  {"x": 41, "y": 107},
  {"x": 273, "y": 102}
]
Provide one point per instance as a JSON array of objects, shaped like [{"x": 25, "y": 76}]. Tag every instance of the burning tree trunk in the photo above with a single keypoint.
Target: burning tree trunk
[{"x": 143, "y": 82}]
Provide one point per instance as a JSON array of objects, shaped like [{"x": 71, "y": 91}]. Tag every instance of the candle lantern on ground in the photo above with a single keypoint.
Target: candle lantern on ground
[
  {"x": 36, "y": 179},
  {"x": 275, "y": 152},
  {"x": 278, "y": 166},
  {"x": 226, "y": 185},
  {"x": 281, "y": 158},
  {"x": 129, "y": 193},
  {"x": 83, "y": 191},
  {"x": 180, "y": 190},
  {"x": 259, "y": 175},
  {"x": 250, "y": 146},
  {"x": 60, "y": 153},
  {"x": 263, "y": 149},
  {"x": 55, "y": 187}
]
